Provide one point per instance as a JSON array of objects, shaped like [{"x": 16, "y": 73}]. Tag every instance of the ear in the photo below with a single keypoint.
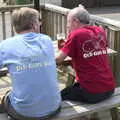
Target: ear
[
  {"x": 33, "y": 26},
  {"x": 76, "y": 22}
]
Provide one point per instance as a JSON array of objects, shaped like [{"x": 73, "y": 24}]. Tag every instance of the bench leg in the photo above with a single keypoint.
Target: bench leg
[
  {"x": 101, "y": 115},
  {"x": 95, "y": 116},
  {"x": 115, "y": 114}
]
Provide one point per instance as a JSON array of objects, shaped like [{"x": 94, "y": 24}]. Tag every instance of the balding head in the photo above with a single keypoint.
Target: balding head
[
  {"x": 77, "y": 17},
  {"x": 81, "y": 14}
]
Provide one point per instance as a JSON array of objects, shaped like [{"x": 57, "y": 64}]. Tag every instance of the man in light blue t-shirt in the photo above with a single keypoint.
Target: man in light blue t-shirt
[{"x": 29, "y": 57}]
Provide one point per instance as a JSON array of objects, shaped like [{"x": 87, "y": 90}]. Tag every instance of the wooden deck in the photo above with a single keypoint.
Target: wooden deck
[{"x": 5, "y": 81}]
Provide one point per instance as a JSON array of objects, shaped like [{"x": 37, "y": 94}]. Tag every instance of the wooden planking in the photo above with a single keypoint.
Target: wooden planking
[
  {"x": 71, "y": 110},
  {"x": 5, "y": 79},
  {"x": 81, "y": 110},
  {"x": 102, "y": 115},
  {"x": 3, "y": 25},
  {"x": 75, "y": 109},
  {"x": 3, "y": 91},
  {"x": 4, "y": 116}
]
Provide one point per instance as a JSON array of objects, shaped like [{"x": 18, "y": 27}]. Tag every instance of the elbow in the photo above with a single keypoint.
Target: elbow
[
  {"x": 58, "y": 61},
  {"x": 60, "y": 57}
]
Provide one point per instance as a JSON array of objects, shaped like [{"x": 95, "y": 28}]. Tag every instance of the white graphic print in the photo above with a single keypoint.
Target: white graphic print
[{"x": 94, "y": 46}]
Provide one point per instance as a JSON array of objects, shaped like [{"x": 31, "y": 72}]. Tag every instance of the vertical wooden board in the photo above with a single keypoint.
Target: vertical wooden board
[
  {"x": 44, "y": 17},
  {"x": 3, "y": 91},
  {"x": 55, "y": 26},
  {"x": 58, "y": 25},
  {"x": 12, "y": 31},
  {"x": 115, "y": 113},
  {"x": 3, "y": 25},
  {"x": 105, "y": 115},
  {"x": 117, "y": 57},
  {"x": 64, "y": 25}
]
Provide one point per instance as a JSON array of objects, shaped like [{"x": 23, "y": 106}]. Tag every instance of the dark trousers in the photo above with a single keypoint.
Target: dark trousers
[
  {"x": 77, "y": 93},
  {"x": 16, "y": 116}
]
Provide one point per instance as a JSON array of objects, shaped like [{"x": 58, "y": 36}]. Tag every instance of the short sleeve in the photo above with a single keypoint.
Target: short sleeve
[{"x": 69, "y": 47}]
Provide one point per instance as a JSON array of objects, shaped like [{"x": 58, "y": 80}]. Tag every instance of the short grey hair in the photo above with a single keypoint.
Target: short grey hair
[{"x": 82, "y": 15}]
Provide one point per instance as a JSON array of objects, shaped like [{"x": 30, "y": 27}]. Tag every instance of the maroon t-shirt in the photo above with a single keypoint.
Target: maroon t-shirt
[{"x": 87, "y": 48}]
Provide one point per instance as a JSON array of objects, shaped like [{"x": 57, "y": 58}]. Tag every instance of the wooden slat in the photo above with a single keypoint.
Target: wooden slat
[
  {"x": 76, "y": 109},
  {"x": 3, "y": 25},
  {"x": 12, "y": 31},
  {"x": 3, "y": 91}
]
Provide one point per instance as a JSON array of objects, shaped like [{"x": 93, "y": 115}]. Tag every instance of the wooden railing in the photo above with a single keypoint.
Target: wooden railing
[
  {"x": 54, "y": 21},
  {"x": 6, "y": 29}
]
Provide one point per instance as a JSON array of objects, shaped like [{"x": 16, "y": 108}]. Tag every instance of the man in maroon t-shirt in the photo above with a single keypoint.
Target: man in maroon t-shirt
[{"x": 87, "y": 46}]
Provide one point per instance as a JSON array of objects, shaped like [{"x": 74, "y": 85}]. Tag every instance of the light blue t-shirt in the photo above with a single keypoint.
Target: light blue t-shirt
[{"x": 30, "y": 61}]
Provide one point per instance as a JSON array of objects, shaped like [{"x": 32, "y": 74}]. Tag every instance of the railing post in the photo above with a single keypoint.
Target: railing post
[
  {"x": 37, "y": 4},
  {"x": 114, "y": 36},
  {"x": 3, "y": 25},
  {"x": 12, "y": 31},
  {"x": 45, "y": 21},
  {"x": 117, "y": 57}
]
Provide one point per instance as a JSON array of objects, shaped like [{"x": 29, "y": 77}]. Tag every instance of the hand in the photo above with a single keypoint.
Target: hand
[{"x": 60, "y": 43}]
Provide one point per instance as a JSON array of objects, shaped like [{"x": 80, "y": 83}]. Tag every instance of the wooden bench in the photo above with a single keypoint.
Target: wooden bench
[
  {"x": 76, "y": 110},
  {"x": 79, "y": 111}
]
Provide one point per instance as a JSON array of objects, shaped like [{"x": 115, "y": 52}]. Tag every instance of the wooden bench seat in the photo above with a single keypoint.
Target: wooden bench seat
[{"x": 75, "y": 110}]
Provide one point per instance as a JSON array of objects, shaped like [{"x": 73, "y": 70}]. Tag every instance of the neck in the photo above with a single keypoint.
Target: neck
[
  {"x": 26, "y": 31},
  {"x": 83, "y": 25}
]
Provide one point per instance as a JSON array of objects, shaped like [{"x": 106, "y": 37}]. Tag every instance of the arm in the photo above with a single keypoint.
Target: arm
[{"x": 60, "y": 57}]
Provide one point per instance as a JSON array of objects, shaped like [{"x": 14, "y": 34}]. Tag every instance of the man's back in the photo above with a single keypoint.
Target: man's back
[
  {"x": 30, "y": 60},
  {"x": 88, "y": 49},
  {"x": 87, "y": 46}
]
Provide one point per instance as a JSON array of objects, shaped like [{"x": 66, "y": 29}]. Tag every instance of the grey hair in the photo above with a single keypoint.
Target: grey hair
[
  {"x": 81, "y": 6},
  {"x": 24, "y": 18},
  {"x": 82, "y": 15}
]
